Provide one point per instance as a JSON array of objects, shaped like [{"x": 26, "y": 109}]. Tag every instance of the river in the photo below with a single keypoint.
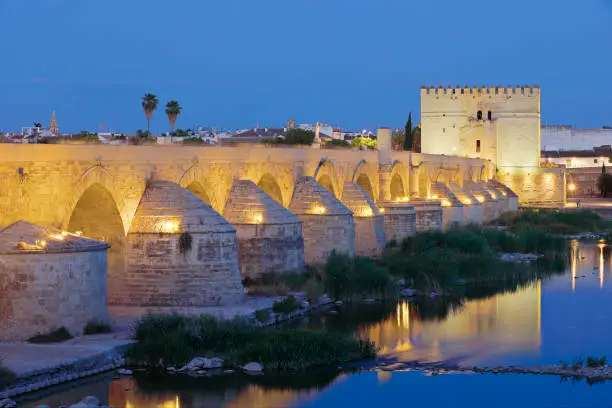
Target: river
[{"x": 560, "y": 317}]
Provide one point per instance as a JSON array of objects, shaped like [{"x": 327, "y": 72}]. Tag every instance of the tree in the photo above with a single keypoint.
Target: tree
[
  {"x": 408, "y": 133},
  {"x": 149, "y": 105},
  {"x": 604, "y": 182},
  {"x": 299, "y": 136},
  {"x": 173, "y": 110},
  {"x": 397, "y": 140},
  {"x": 366, "y": 142},
  {"x": 416, "y": 139}
]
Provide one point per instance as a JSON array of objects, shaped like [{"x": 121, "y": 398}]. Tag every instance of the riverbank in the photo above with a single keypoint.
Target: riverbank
[{"x": 439, "y": 368}]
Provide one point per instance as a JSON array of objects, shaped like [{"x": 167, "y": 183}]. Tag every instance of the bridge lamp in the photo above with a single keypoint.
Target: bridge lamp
[
  {"x": 382, "y": 210},
  {"x": 169, "y": 226},
  {"x": 258, "y": 218},
  {"x": 571, "y": 187},
  {"x": 480, "y": 199},
  {"x": 446, "y": 203},
  {"x": 319, "y": 210}
]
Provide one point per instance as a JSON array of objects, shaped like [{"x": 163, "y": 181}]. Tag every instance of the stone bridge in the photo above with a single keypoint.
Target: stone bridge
[{"x": 243, "y": 210}]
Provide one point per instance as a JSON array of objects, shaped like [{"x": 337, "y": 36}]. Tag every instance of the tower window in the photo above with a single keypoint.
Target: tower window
[
  {"x": 478, "y": 146},
  {"x": 490, "y": 115},
  {"x": 479, "y": 115}
]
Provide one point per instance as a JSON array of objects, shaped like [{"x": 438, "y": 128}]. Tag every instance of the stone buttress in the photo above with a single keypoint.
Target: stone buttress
[
  {"x": 452, "y": 208},
  {"x": 180, "y": 252},
  {"x": 50, "y": 279},
  {"x": 269, "y": 236},
  {"x": 472, "y": 208},
  {"x": 369, "y": 222},
  {"x": 327, "y": 224}
]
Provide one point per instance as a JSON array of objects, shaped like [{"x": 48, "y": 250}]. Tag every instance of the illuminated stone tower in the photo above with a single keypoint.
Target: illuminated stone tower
[{"x": 53, "y": 128}]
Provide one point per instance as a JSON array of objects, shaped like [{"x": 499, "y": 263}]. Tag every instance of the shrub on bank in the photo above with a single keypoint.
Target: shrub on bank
[
  {"x": 286, "y": 306},
  {"x": 346, "y": 277},
  {"x": 557, "y": 222},
  {"x": 6, "y": 376},
  {"x": 96, "y": 327},
  {"x": 175, "y": 340},
  {"x": 54, "y": 336}
]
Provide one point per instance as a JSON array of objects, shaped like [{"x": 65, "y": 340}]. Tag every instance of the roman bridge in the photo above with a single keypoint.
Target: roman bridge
[
  {"x": 186, "y": 224},
  {"x": 52, "y": 184}
]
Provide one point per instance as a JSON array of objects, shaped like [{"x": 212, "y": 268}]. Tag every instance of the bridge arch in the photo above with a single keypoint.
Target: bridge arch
[
  {"x": 270, "y": 186},
  {"x": 97, "y": 210},
  {"x": 424, "y": 182},
  {"x": 361, "y": 176},
  {"x": 194, "y": 179},
  {"x": 397, "y": 184},
  {"x": 326, "y": 176}
]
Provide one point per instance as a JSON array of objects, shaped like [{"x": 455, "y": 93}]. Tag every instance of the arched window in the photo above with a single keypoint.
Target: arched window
[
  {"x": 490, "y": 115},
  {"x": 479, "y": 115}
]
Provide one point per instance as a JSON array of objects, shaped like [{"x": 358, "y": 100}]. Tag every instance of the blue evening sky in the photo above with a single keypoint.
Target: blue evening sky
[{"x": 237, "y": 63}]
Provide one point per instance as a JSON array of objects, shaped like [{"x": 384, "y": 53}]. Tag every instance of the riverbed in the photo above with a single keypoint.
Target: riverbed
[{"x": 560, "y": 317}]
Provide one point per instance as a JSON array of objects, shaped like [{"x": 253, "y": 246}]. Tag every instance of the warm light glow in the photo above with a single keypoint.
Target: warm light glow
[
  {"x": 258, "y": 218},
  {"x": 467, "y": 201},
  {"x": 368, "y": 212},
  {"x": 59, "y": 237},
  {"x": 493, "y": 196},
  {"x": 446, "y": 202},
  {"x": 78, "y": 233},
  {"x": 42, "y": 244},
  {"x": 319, "y": 210},
  {"x": 571, "y": 187},
  {"x": 169, "y": 227},
  {"x": 382, "y": 210},
  {"x": 480, "y": 199},
  {"x": 434, "y": 197}
]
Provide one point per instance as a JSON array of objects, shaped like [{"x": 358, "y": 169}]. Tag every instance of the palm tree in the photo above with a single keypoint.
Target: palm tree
[
  {"x": 149, "y": 104},
  {"x": 173, "y": 110}
]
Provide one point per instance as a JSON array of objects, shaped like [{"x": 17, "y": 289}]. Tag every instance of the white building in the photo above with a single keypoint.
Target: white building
[{"x": 567, "y": 138}]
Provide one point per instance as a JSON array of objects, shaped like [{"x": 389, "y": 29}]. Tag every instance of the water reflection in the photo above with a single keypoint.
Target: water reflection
[{"x": 520, "y": 321}]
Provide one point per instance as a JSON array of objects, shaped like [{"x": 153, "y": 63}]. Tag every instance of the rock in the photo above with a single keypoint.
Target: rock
[
  {"x": 91, "y": 401},
  {"x": 203, "y": 363},
  {"x": 338, "y": 303},
  {"x": 171, "y": 369},
  {"x": 8, "y": 403},
  {"x": 124, "y": 371},
  {"x": 401, "y": 282},
  {"x": 253, "y": 367},
  {"x": 42, "y": 406},
  {"x": 323, "y": 299},
  {"x": 368, "y": 300},
  {"x": 408, "y": 292},
  {"x": 228, "y": 372},
  {"x": 80, "y": 405},
  {"x": 304, "y": 304}
]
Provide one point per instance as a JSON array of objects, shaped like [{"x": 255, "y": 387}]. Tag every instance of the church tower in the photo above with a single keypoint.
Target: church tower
[{"x": 53, "y": 126}]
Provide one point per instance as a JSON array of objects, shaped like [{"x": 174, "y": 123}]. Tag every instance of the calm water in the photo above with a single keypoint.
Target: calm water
[{"x": 559, "y": 318}]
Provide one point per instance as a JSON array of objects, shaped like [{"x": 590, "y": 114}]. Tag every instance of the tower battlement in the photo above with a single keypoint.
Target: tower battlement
[{"x": 480, "y": 90}]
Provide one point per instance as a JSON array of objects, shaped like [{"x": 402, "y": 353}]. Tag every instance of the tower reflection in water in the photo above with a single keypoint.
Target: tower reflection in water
[
  {"x": 585, "y": 256},
  {"x": 473, "y": 333}
]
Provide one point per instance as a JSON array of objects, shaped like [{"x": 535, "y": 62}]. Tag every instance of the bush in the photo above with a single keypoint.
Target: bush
[
  {"x": 337, "y": 143},
  {"x": 577, "y": 364},
  {"x": 262, "y": 315},
  {"x": 54, "y": 336},
  {"x": 96, "y": 327},
  {"x": 596, "y": 362},
  {"x": 286, "y": 306},
  {"x": 175, "y": 340},
  {"x": 347, "y": 277},
  {"x": 6, "y": 376},
  {"x": 299, "y": 136}
]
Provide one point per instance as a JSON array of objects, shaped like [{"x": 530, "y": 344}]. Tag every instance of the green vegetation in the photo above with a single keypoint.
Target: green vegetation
[
  {"x": 438, "y": 260},
  {"x": 174, "y": 340},
  {"x": 337, "y": 143},
  {"x": 408, "y": 142},
  {"x": 6, "y": 376},
  {"x": 149, "y": 105},
  {"x": 96, "y": 327},
  {"x": 173, "y": 110},
  {"x": 577, "y": 364},
  {"x": 556, "y": 222},
  {"x": 262, "y": 315},
  {"x": 596, "y": 362},
  {"x": 364, "y": 142},
  {"x": 604, "y": 184},
  {"x": 54, "y": 336},
  {"x": 85, "y": 135},
  {"x": 286, "y": 306},
  {"x": 347, "y": 278},
  {"x": 193, "y": 141}
]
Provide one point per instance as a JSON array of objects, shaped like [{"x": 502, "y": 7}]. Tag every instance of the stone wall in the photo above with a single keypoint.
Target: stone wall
[
  {"x": 45, "y": 291},
  {"x": 158, "y": 274},
  {"x": 326, "y": 233},
  {"x": 269, "y": 248},
  {"x": 472, "y": 213},
  {"x": 370, "y": 237},
  {"x": 400, "y": 221},
  {"x": 428, "y": 215},
  {"x": 451, "y": 217},
  {"x": 540, "y": 187}
]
